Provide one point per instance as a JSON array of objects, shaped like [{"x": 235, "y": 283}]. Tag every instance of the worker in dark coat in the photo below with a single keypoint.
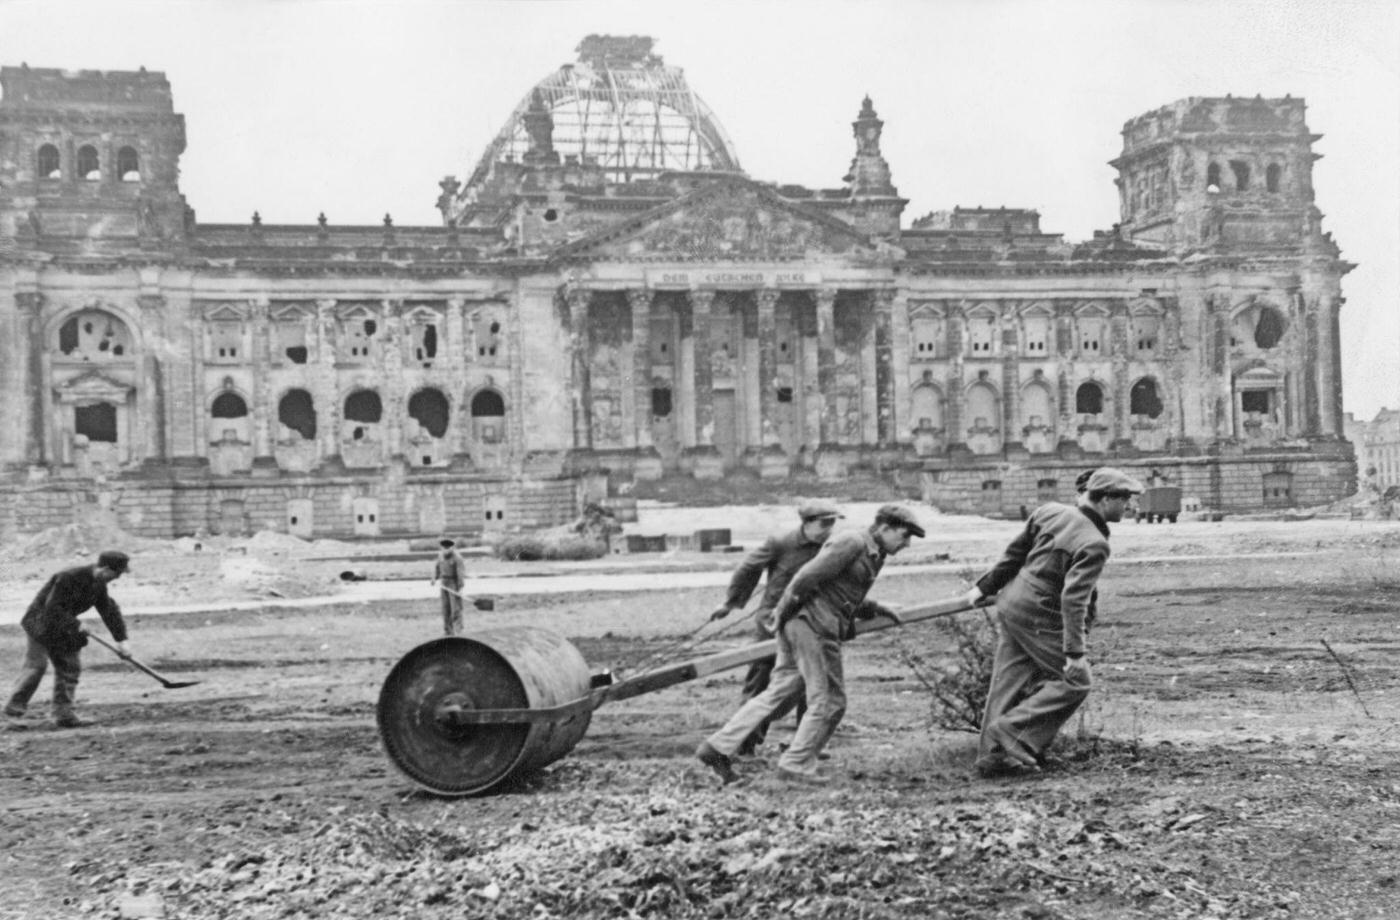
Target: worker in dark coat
[
  {"x": 779, "y": 557},
  {"x": 816, "y": 613},
  {"x": 1045, "y": 589},
  {"x": 53, "y": 633},
  {"x": 448, "y": 572}
]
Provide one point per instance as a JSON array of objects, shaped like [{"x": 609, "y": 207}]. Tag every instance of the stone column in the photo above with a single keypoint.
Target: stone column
[
  {"x": 1118, "y": 356},
  {"x": 826, "y": 365},
  {"x": 957, "y": 393},
  {"x": 30, "y": 352},
  {"x": 262, "y": 370},
  {"x": 580, "y": 378},
  {"x": 640, "y": 302},
  {"x": 767, "y": 368},
  {"x": 701, "y": 303},
  {"x": 325, "y": 393},
  {"x": 884, "y": 368},
  {"x": 164, "y": 435},
  {"x": 1011, "y": 388},
  {"x": 395, "y": 399},
  {"x": 1329, "y": 352}
]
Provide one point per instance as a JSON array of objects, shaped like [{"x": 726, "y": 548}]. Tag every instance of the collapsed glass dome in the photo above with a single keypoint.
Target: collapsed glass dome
[{"x": 618, "y": 108}]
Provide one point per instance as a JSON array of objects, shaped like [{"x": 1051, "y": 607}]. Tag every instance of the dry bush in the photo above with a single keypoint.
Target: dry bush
[
  {"x": 533, "y": 548},
  {"x": 960, "y": 688}
]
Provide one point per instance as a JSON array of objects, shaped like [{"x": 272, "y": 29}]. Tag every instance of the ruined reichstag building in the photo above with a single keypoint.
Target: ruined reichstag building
[{"x": 611, "y": 298}]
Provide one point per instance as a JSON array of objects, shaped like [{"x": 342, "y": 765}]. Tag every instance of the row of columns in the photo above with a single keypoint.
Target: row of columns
[{"x": 700, "y": 399}]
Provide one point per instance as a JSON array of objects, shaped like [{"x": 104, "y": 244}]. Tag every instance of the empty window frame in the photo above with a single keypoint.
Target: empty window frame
[
  {"x": 49, "y": 165},
  {"x": 430, "y": 409},
  {"x": 128, "y": 165},
  {"x": 1241, "y": 171},
  {"x": 228, "y": 405},
  {"x": 296, "y": 411},
  {"x": 1143, "y": 398},
  {"x": 89, "y": 167},
  {"x": 97, "y": 422},
  {"x": 362, "y": 408},
  {"x": 1088, "y": 399}
]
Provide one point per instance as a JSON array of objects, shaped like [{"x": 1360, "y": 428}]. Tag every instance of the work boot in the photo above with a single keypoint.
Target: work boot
[
  {"x": 1012, "y": 746},
  {"x": 720, "y": 763},
  {"x": 747, "y": 749},
  {"x": 803, "y": 779},
  {"x": 68, "y": 720}
]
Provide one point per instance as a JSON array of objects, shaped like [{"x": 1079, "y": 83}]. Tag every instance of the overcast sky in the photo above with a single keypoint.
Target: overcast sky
[{"x": 294, "y": 107}]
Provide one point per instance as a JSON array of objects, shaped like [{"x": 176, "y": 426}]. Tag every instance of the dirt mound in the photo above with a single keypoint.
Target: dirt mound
[{"x": 97, "y": 531}]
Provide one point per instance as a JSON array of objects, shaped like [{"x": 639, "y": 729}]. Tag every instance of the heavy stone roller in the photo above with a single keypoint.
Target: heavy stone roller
[{"x": 462, "y": 715}]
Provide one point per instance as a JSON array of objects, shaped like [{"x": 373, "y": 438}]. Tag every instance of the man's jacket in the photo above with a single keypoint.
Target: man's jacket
[
  {"x": 780, "y": 556},
  {"x": 52, "y": 617},
  {"x": 829, "y": 592},
  {"x": 1049, "y": 572}
]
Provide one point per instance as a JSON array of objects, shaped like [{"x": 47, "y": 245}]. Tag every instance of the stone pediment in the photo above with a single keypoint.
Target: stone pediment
[
  {"x": 730, "y": 218},
  {"x": 93, "y": 387}
]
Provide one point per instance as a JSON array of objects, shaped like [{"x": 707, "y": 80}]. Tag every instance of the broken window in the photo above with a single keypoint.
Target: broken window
[
  {"x": 128, "y": 165},
  {"x": 49, "y": 163},
  {"x": 488, "y": 336},
  {"x": 291, "y": 341},
  {"x": 423, "y": 337},
  {"x": 97, "y": 422},
  {"x": 88, "y": 166},
  {"x": 488, "y": 413},
  {"x": 225, "y": 341},
  {"x": 93, "y": 336},
  {"x": 1213, "y": 177},
  {"x": 429, "y": 409},
  {"x": 1088, "y": 399},
  {"x": 660, "y": 401},
  {"x": 784, "y": 394},
  {"x": 228, "y": 405},
  {"x": 296, "y": 411},
  {"x": 363, "y": 406},
  {"x": 660, "y": 339},
  {"x": 1272, "y": 177},
  {"x": 357, "y": 337},
  {"x": 1144, "y": 400},
  {"x": 1255, "y": 401},
  {"x": 1268, "y": 330},
  {"x": 1241, "y": 170}
]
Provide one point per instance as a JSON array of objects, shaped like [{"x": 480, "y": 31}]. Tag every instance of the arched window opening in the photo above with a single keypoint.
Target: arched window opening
[
  {"x": 926, "y": 407},
  {"x": 229, "y": 405},
  {"x": 97, "y": 423},
  {"x": 660, "y": 402},
  {"x": 1088, "y": 399},
  {"x": 1241, "y": 170},
  {"x": 488, "y": 404},
  {"x": 49, "y": 167},
  {"x": 1144, "y": 400},
  {"x": 89, "y": 168},
  {"x": 128, "y": 165},
  {"x": 1268, "y": 329},
  {"x": 93, "y": 335},
  {"x": 363, "y": 406},
  {"x": 429, "y": 409},
  {"x": 1273, "y": 177},
  {"x": 1213, "y": 177},
  {"x": 982, "y": 408},
  {"x": 1036, "y": 407},
  {"x": 296, "y": 411}
]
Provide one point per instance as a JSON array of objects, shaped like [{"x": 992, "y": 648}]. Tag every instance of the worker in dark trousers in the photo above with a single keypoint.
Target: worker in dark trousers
[
  {"x": 816, "y": 613},
  {"x": 779, "y": 557},
  {"x": 53, "y": 634},
  {"x": 448, "y": 572},
  {"x": 1045, "y": 587}
]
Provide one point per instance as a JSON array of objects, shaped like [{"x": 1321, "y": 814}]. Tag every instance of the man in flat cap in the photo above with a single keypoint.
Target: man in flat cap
[
  {"x": 448, "y": 571},
  {"x": 816, "y": 613},
  {"x": 53, "y": 634},
  {"x": 779, "y": 557},
  {"x": 1045, "y": 585}
]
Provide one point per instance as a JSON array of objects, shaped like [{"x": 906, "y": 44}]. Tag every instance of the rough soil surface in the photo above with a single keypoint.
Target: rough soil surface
[{"x": 1224, "y": 766}]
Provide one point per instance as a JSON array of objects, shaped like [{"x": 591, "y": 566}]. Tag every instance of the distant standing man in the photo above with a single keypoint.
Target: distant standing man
[
  {"x": 780, "y": 556},
  {"x": 53, "y": 633},
  {"x": 816, "y": 613},
  {"x": 1049, "y": 574},
  {"x": 448, "y": 572}
]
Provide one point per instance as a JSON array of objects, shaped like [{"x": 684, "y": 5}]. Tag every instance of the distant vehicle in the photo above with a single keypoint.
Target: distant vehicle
[{"x": 1159, "y": 503}]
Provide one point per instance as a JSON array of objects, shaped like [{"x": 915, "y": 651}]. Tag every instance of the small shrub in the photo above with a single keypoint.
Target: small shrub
[
  {"x": 533, "y": 548},
  {"x": 960, "y": 689}
]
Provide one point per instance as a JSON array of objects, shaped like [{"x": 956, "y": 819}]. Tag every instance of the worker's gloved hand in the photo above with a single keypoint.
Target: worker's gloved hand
[
  {"x": 123, "y": 649},
  {"x": 869, "y": 610},
  {"x": 721, "y": 612},
  {"x": 974, "y": 597},
  {"x": 1077, "y": 673}
]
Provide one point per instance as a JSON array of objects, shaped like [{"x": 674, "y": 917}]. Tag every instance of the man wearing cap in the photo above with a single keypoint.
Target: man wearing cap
[
  {"x": 53, "y": 633},
  {"x": 448, "y": 572},
  {"x": 1044, "y": 586},
  {"x": 780, "y": 556},
  {"x": 816, "y": 613}
]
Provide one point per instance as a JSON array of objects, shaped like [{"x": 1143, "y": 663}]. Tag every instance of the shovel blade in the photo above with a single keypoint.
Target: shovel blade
[{"x": 177, "y": 684}]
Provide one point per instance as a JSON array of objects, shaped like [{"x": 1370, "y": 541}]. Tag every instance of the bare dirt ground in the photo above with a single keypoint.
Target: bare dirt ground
[{"x": 1223, "y": 768}]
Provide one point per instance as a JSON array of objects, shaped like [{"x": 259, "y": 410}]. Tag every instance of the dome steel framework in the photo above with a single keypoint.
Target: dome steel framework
[{"x": 619, "y": 108}]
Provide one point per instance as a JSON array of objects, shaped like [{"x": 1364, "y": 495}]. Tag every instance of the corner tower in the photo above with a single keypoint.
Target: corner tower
[{"x": 1223, "y": 175}]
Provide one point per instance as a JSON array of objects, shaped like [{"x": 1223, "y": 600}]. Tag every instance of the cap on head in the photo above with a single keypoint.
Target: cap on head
[
  {"x": 1081, "y": 482},
  {"x": 817, "y": 508},
  {"x": 1108, "y": 479},
  {"x": 117, "y": 561},
  {"x": 447, "y": 543},
  {"x": 899, "y": 516}
]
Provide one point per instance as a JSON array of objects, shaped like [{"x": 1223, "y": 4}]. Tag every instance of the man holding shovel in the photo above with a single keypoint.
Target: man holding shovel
[
  {"x": 54, "y": 635},
  {"x": 448, "y": 571}
]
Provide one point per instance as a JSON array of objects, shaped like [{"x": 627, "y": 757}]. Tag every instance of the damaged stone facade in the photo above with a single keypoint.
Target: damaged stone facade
[{"x": 589, "y": 314}]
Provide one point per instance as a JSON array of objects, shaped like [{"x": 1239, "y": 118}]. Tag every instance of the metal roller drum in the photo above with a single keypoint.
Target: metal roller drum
[{"x": 431, "y": 700}]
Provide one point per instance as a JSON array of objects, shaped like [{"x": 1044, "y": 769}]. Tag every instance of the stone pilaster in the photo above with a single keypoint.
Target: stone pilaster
[
  {"x": 767, "y": 368},
  {"x": 956, "y": 388},
  {"x": 30, "y": 352},
  {"x": 1118, "y": 357},
  {"x": 261, "y": 330},
  {"x": 581, "y": 376},
  {"x": 701, "y": 303},
  {"x": 884, "y": 368},
  {"x": 1011, "y": 423},
  {"x": 168, "y": 427},
  {"x": 321, "y": 376},
  {"x": 395, "y": 399},
  {"x": 826, "y": 365}
]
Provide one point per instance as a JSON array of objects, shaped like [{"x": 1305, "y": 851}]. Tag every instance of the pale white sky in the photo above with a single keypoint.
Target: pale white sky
[{"x": 356, "y": 108}]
